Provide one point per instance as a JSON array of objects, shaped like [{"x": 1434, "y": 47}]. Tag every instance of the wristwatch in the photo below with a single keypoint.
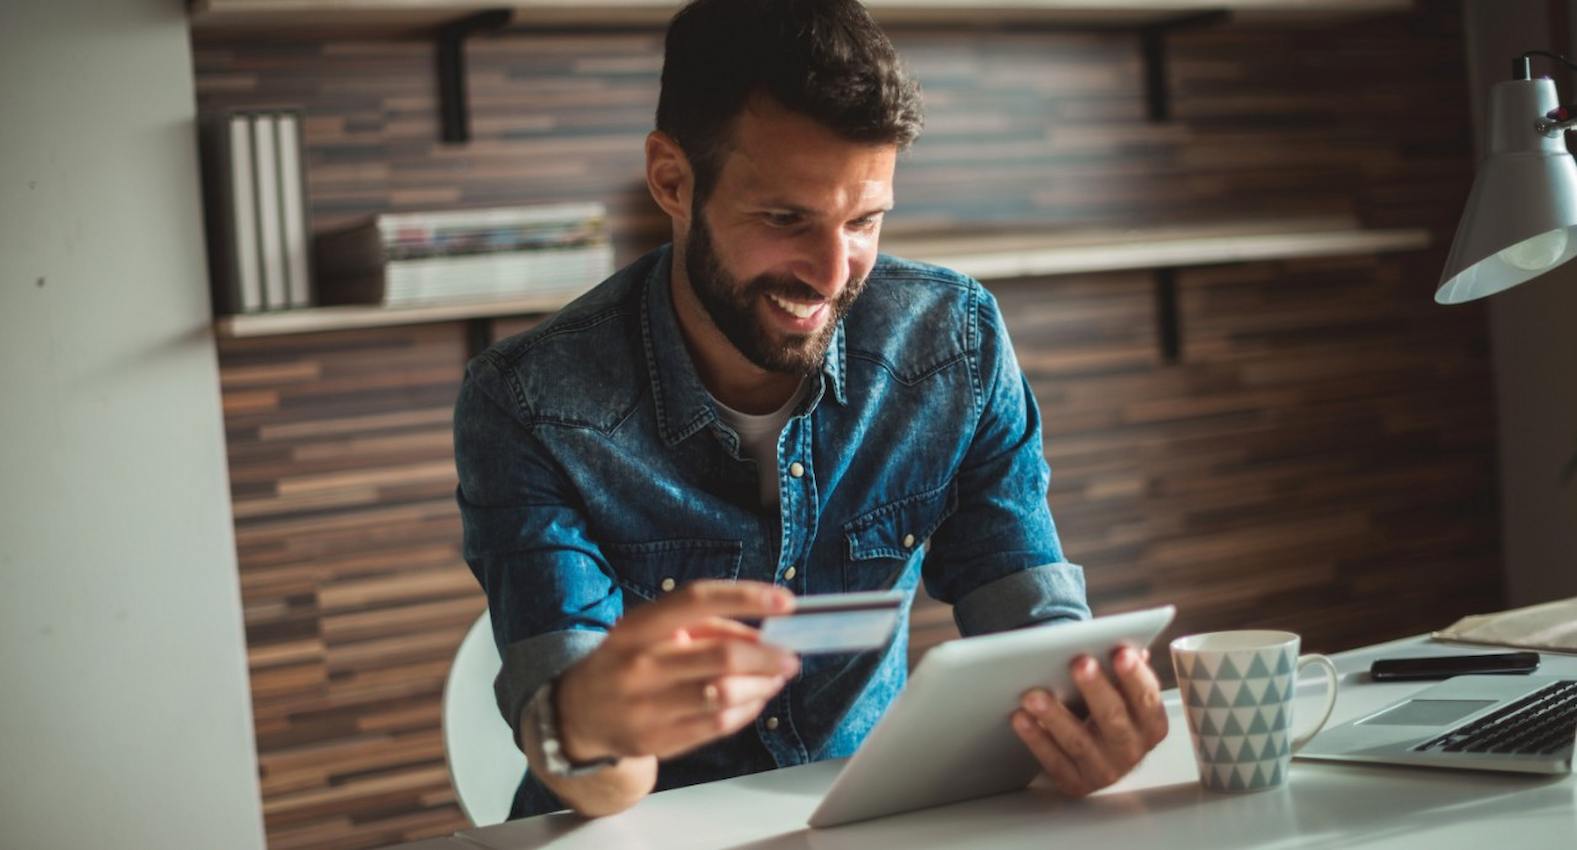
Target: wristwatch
[{"x": 555, "y": 762}]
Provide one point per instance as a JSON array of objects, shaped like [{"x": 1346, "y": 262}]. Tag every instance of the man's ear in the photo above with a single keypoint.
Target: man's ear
[{"x": 669, "y": 177}]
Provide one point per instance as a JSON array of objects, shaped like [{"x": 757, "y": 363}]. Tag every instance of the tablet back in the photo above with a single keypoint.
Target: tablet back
[{"x": 948, "y": 738}]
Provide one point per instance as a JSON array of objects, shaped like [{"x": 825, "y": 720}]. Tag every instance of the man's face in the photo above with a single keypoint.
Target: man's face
[{"x": 782, "y": 247}]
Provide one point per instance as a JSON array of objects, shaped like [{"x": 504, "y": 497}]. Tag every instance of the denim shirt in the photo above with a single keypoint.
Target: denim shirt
[{"x": 595, "y": 474}]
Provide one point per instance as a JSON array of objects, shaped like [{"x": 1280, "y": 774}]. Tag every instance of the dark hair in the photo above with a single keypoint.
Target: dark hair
[{"x": 825, "y": 59}]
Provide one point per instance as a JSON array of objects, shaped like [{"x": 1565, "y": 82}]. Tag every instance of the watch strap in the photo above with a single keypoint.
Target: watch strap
[{"x": 556, "y": 762}]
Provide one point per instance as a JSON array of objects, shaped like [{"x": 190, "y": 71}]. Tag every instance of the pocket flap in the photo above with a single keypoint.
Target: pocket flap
[
  {"x": 897, "y": 528},
  {"x": 656, "y": 567}
]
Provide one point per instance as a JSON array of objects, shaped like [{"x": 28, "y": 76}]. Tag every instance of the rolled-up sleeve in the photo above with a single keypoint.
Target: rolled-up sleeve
[
  {"x": 550, "y": 592},
  {"x": 997, "y": 558},
  {"x": 1029, "y": 596}
]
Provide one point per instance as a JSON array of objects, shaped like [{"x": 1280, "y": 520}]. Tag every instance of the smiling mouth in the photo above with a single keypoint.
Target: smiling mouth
[{"x": 798, "y": 310}]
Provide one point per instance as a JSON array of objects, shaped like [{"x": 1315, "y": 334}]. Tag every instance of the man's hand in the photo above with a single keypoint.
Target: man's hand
[
  {"x": 1126, "y": 721},
  {"x": 675, "y": 673}
]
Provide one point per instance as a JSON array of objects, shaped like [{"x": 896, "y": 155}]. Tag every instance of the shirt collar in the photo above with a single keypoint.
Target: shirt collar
[{"x": 683, "y": 404}]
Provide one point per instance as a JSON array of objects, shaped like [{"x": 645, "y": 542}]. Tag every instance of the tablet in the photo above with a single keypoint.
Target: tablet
[{"x": 948, "y": 736}]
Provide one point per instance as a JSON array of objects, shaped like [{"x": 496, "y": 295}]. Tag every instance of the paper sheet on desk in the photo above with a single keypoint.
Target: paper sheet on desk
[{"x": 1552, "y": 625}]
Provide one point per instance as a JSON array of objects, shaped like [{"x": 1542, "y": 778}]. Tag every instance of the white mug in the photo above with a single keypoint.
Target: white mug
[{"x": 1237, "y": 690}]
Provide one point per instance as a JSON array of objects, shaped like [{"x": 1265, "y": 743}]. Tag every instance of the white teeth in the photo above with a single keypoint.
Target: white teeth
[{"x": 802, "y": 311}]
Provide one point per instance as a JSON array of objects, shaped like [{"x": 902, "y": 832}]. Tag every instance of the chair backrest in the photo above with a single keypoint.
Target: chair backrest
[{"x": 479, "y": 747}]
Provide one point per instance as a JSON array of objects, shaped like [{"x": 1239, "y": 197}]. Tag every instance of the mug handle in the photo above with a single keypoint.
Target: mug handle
[{"x": 1331, "y": 677}]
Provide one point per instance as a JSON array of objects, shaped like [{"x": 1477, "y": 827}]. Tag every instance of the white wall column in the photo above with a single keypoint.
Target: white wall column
[{"x": 125, "y": 720}]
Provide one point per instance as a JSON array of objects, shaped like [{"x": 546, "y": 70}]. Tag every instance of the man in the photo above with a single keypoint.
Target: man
[{"x": 763, "y": 409}]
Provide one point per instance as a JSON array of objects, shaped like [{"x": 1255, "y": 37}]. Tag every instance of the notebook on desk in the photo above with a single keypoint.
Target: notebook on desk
[{"x": 1522, "y": 724}]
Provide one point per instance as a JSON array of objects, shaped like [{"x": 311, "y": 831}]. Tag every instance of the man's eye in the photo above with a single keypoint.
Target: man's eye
[
  {"x": 782, "y": 219},
  {"x": 866, "y": 223}
]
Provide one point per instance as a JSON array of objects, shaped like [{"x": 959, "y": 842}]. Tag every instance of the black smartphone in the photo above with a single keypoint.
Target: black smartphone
[{"x": 1446, "y": 666}]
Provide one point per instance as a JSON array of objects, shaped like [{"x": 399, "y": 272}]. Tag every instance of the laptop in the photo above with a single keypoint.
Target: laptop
[
  {"x": 948, "y": 737},
  {"x": 1522, "y": 724}
]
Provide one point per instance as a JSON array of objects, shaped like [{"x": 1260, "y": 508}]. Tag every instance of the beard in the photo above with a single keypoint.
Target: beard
[{"x": 731, "y": 305}]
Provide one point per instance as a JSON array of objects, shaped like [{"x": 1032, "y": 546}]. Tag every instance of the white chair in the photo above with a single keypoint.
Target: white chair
[{"x": 485, "y": 766}]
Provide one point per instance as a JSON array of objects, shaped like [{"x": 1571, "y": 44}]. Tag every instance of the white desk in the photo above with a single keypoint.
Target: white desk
[{"x": 1159, "y": 805}]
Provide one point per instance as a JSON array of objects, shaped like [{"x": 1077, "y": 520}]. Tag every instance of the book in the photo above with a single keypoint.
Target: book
[
  {"x": 474, "y": 277},
  {"x": 265, "y": 165},
  {"x": 293, "y": 215},
  {"x": 417, "y": 224},
  {"x": 229, "y": 213},
  {"x": 404, "y": 258}
]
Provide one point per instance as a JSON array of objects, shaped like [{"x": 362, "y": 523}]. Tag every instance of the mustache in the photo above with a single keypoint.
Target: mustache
[{"x": 794, "y": 289}]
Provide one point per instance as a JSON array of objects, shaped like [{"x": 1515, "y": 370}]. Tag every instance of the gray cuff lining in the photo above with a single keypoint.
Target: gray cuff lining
[
  {"x": 1048, "y": 592},
  {"x": 531, "y": 663}
]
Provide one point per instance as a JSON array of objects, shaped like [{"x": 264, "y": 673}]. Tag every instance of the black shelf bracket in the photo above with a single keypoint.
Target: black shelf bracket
[
  {"x": 478, "y": 336},
  {"x": 1152, "y": 50},
  {"x": 1168, "y": 326},
  {"x": 454, "y": 108}
]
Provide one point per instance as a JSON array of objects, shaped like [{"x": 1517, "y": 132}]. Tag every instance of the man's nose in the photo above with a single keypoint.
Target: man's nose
[{"x": 824, "y": 262}]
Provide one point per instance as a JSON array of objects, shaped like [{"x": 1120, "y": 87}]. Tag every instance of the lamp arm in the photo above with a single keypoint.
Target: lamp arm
[
  {"x": 1558, "y": 120},
  {"x": 1550, "y": 127},
  {"x": 1522, "y": 66}
]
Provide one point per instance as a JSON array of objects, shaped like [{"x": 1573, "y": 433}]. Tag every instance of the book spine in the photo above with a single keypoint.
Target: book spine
[
  {"x": 292, "y": 191},
  {"x": 242, "y": 222},
  {"x": 213, "y": 142},
  {"x": 265, "y": 161},
  {"x": 393, "y": 224}
]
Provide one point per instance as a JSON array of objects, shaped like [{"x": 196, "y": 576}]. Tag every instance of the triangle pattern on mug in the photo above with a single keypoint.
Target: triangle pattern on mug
[{"x": 1238, "y": 704}]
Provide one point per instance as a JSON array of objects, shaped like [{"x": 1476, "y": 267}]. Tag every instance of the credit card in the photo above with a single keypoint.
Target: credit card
[{"x": 836, "y": 622}]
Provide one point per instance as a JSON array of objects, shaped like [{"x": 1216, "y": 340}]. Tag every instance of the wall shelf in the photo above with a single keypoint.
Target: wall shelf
[
  {"x": 1009, "y": 254},
  {"x": 453, "y": 22},
  {"x": 418, "y": 14},
  {"x": 353, "y": 316},
  {"x": 986, "y": 256}
]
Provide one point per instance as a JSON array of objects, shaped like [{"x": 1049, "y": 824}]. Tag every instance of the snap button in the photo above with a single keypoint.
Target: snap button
[
  {"x": 797, "y": 469},
  {"x": 667, "y": 585},
  {"x": 790, "y": 573},
  {"x": 908, "y": 541},
  {"x": 772, "y": 724}
]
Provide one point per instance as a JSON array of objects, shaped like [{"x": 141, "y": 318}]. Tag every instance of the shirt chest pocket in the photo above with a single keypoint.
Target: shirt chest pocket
[
  {"x": 882, "y": 540},
  {"x": 648, "y": 570}
]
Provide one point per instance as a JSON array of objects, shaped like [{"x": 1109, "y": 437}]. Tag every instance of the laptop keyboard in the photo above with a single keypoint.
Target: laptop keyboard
[{"x": 1541, "y": 723}]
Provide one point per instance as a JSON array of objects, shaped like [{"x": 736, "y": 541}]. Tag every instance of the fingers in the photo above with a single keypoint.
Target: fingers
[
  {"x": 1142, "y": 691},
  {"x": 687, "y": 715},
  {"x": 722, "y": 627},
  {"x": 711, "y": 658},
  {"x": 1120, "y": 740},
  {"x": 1126, "y": 720},
  {"x": 679, "y": 672},
  {"x": 696, "y": 713},
  {"x": 1072, "y": 738},
  {"x": 686, "y": 735},
  {"x": 691, "y": 701},
  {"x": 1052, "y": 759},
  {"x": 701, "y": 601}
]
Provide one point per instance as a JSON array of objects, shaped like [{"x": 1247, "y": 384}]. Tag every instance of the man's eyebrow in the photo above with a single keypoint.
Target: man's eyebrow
[
  {"x": 796, "y": 209},
  {"x": 783, "y": 206}
]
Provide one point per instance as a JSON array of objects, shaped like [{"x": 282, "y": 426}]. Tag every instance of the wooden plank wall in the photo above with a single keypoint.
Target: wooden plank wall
[{"x": 1320, "y": 459}]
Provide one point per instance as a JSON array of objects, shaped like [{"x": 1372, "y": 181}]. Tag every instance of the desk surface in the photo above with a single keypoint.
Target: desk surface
[{"x": 1158, "y": 805}]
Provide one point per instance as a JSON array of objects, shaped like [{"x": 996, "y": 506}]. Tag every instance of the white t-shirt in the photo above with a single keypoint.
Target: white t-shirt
[{"x": 758, "y": 439}]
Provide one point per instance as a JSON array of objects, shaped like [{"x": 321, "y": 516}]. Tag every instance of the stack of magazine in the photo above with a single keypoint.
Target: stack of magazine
[
  {"x": 254, "y": 192},
  {"x": 401, "y": 259}
]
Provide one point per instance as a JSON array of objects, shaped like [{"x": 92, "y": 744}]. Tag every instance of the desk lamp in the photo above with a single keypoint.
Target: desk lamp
[{"x": 1521, "y": 217}]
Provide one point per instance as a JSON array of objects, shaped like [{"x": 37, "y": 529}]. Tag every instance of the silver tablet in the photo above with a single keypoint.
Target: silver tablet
[{"x": 948, "y": 737}]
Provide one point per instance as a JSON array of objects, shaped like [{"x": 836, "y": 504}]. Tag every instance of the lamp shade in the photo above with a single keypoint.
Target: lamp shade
[{"x": 1521, "y": 217}]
